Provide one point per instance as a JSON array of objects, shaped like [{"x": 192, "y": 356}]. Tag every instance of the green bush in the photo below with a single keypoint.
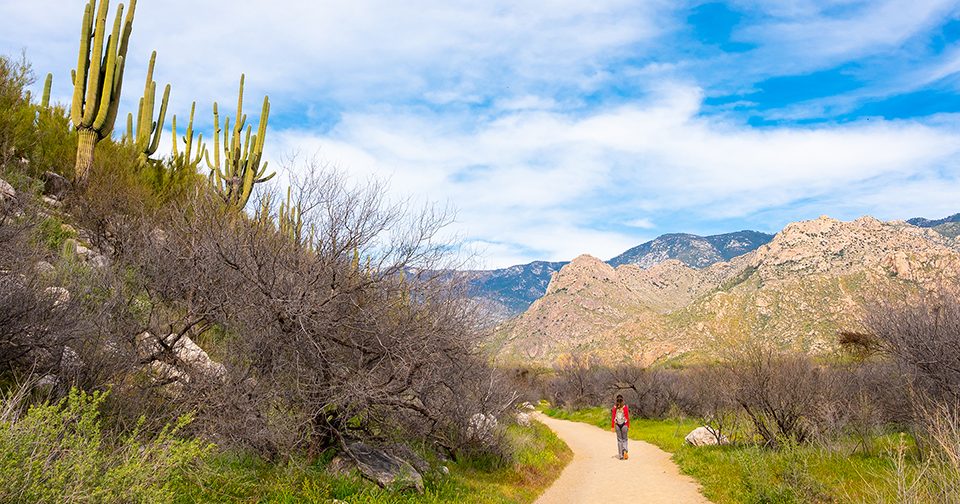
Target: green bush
[{"x": 58, "y": 453}]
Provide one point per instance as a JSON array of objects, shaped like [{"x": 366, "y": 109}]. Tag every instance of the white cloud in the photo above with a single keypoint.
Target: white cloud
[
  {"x": 538, "y": 183},
  {"x": 641, "y": 223}
]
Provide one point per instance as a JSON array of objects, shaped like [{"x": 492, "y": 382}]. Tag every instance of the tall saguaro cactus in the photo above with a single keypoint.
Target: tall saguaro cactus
[
  {"x": 98, "y": 79},
  {"x": 234, "y": 175},
  {"x": 146, "y": 136}
]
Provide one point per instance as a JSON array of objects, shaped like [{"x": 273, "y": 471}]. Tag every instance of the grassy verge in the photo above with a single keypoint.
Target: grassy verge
[
  {"x": 797, "y": 474},
  {"x": 538, "y": 457}
]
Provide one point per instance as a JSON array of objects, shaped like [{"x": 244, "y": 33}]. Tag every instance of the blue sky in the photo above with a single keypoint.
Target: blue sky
[{"x": 562, "y": 127}]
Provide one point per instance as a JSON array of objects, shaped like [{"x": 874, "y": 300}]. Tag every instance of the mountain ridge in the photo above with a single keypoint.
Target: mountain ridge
[{"x": 812, "y": 279}]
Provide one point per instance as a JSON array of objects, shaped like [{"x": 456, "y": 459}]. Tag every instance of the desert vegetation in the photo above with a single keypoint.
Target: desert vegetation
[
  {"x": 874, "y": 422},
  {"x": 167, "y": 334}
]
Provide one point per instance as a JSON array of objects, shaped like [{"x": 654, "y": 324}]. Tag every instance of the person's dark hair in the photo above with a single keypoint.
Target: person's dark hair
[{"x": 619, "y": 398}]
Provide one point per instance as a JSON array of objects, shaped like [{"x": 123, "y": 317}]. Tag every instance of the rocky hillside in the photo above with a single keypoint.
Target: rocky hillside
[
  {"x": 508, "y": 292},
  {"x": 692, "y": 250},
  {"x": 811, "y": 279}
]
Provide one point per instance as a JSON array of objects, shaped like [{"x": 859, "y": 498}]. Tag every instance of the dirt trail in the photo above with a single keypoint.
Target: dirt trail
[{"x": 596, "y": 475}]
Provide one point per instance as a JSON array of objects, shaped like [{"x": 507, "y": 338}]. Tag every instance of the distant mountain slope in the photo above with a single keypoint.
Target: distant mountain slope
[
  {"x": 947, "y": 226},
  {"x": 692, "y": 250},
  {"x": 811, "y": 280},
  {"x": 512, "y": 290},
  {"x": 929, "y": 223}
]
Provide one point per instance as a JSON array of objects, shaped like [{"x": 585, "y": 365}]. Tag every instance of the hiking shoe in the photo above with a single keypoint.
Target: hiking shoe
[{"x": 626, "y": 455}]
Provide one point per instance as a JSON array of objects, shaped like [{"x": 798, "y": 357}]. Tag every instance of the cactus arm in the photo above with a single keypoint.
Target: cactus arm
[
  {"x": 173, "y": 133},
  {"x": 114, "y": 107},
  {"x": 158, "y": 130},
  {"x": 109, "y": 76},
  {"x": 128, "y": 136},
  {"x": 95, "y": 74},
  {"x": 80, "y": 73},
  {"x": 45, "y": 97}
]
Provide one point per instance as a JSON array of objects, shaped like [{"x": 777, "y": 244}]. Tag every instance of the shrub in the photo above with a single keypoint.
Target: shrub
[{"x": 59, "y": 453}]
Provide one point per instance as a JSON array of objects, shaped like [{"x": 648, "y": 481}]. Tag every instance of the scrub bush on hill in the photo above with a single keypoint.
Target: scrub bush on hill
[
  {"x": 322, "y": 342},
  {"x": 59, "y": 453}
]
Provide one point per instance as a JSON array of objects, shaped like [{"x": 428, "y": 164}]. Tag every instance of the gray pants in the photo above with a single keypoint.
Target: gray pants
[{"x": 621, "y": 439}]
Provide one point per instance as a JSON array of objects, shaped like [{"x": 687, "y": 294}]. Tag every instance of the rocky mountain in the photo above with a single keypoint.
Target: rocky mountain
[
  {"x": 798, "y": 290},
  {"x": 947, "y": 226},
  {"x": 510, "y": 291},
  {"x": 692, "y": 250}
]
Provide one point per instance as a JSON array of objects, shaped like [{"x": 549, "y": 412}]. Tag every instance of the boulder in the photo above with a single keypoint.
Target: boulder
[
  {"x": 404, "y": 452},
  {"x": 482, "y": 427},
  {"x": 54, "y": 185},
  {"x": 6, "y": 191},
  {"x": 704, "y": 436},
  {"x": 523, "y": 418},
  {"x": 384, "y": 469}
]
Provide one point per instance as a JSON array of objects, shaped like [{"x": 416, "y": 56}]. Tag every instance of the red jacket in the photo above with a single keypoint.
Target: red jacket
[{"x": 613, "y": 416}]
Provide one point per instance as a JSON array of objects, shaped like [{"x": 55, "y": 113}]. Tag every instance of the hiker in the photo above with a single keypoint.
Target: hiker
[{"x": 620, "y": 422}]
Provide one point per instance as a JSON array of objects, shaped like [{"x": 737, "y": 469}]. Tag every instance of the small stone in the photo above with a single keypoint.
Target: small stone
[
  {"x": 445, "y": 470},
  {"x": 59, "y": 295},
  {"x": 99, "y": 261},
  {"x": 83, "y": 251},
  {"x": 67, "y": 228},
  {"x": 51, "y": 202},
  {"x": 523, "y": 419}
]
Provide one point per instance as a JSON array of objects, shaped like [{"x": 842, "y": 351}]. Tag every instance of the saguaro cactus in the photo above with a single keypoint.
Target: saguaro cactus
[
  {"x": 234, "y": 176},
  {"x": 98, "y": 79},
  {"x": 186, "y": 158},
  {"x": 146, "y": 136}
]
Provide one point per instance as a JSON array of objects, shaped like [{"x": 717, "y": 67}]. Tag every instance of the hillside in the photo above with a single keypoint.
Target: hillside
[
  {"x": 508, "y": 292},
  {"x": 810, "y": 280}
]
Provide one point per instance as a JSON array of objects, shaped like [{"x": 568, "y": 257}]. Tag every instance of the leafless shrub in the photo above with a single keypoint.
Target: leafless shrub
[
  {"x": 922, "y": 334},
  {"x": 707, "y": 393},
  {"x": 780, "y": 393},
  {"x": 580, "y": 381},
  {"x": 346, "y": 336}
]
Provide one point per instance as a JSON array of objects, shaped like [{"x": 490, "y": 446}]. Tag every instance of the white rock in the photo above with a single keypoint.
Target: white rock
[
  {"x": 523, "y": 419},
  {"x": 99, "y": 261},
  {"x": 482, "y": 426},
  {"x": 704, "y": 436},
  {"x": 60, "y": 295},
  {"x": 51, "y": 202},
  {"x": 445, "y": 470},
  {"x": 6, "y": 191}
]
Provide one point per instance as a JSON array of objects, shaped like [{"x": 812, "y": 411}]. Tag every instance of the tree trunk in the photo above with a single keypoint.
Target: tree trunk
[{"x": 86, "y": 142}]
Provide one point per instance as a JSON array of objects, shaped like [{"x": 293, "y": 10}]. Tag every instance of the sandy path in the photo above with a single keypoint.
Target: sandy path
[{"x": 596, "y": 475}]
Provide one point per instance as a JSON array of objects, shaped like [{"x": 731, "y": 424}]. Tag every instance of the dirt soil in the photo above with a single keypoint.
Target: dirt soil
[{"x": 596, "y": 475}]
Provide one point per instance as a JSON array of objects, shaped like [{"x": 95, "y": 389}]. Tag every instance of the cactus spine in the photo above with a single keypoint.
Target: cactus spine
[
  {"x": 98, "y": 79},
  {"x": 234, "y": 176},
  {"x": 186, "y": 158},
  {"x": 146, "y": 137}
]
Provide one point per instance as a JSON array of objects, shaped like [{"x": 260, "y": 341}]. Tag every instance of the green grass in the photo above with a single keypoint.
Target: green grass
[
  {"x": 747, "y": 473},
  {"x": 538, "y": 457}
]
